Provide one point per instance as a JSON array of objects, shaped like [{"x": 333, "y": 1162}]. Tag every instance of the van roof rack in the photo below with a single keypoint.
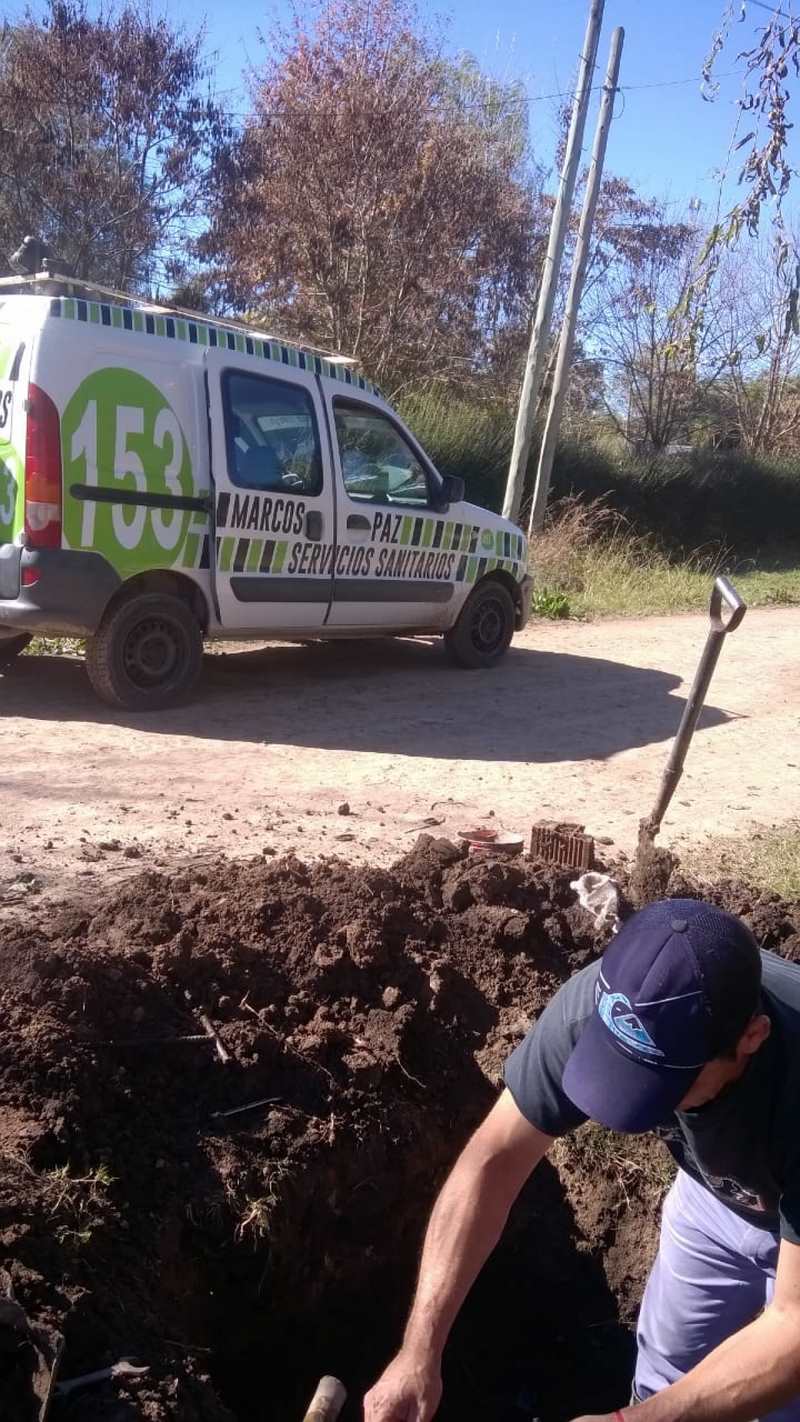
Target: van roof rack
[{"x": 55, "y": 284}]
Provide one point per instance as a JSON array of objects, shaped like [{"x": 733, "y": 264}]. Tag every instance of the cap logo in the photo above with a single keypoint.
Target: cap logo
[{"x": 617, "y": 1012}]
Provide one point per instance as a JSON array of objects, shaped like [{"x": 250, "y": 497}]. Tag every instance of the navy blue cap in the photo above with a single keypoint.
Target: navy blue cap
[{"x": 677, "y": 985}]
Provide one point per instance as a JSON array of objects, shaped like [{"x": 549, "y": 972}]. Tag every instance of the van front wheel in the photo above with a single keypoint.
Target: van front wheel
[
  {"x": 146, "y": 653},
  {"x": 485, "y": 626}
]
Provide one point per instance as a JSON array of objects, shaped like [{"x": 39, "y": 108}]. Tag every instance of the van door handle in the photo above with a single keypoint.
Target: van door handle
[
  {"x": 314, "y": 525},
  {"x": 358, "y": 521}
]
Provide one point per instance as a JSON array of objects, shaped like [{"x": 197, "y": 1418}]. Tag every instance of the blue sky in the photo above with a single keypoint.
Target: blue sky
[{"x": 667, "y": 140}]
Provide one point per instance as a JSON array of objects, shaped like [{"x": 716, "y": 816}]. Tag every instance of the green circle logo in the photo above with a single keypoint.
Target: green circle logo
[
  {"x": 10, "y": 484},
  {"x": 120, "y": 434}
]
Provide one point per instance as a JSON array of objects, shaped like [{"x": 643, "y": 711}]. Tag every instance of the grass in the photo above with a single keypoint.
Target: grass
[
  {"x": 55, "y": 647},
  {"x": 768, "y": 859},
  {"x": 638, "y": 1166},
  {"x": 589, "y": 563},
  {"x": 77, "y": 1205},
  {"x": 742, "y": 503}
]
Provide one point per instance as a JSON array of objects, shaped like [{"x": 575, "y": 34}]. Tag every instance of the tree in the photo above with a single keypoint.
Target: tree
[
  {"x": 764, "y": 108},
  {"x": 379, "y": 201},
  {"x": 766, "y": 172},
  {"x": 658, "y": 359},
  {"x": 755, "y": 402},
  {"x": 106, "y": 137}
]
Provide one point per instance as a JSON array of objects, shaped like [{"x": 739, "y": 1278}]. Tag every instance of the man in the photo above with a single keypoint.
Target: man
[{"x": 686, "y": 1030}]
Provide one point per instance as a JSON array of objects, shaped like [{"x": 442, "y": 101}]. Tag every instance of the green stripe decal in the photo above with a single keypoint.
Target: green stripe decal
[
  {"x": 226, "y": 554},
  {"x": 176, "y": 327},
  {"x": 279, "y": 558},
  {"x": 406, "y": 530},
  {"x": 191, "y": 548},
  {"x": 427, "y": 533},
  {"x": 472, "y": 568},
  {"x": 254, "y": 555}
]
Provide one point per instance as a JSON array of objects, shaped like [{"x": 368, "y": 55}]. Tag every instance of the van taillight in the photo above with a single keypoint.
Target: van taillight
[{"x": 42, "y": 472}]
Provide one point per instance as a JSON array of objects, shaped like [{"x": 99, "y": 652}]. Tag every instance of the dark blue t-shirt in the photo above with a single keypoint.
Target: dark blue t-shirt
[{"x": 744, "y": 1146}]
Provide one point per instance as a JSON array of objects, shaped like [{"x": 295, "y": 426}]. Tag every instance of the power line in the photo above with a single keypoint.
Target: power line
[
  {"x": 773, "y": 9},
  {"x": 487, "y": 105}
]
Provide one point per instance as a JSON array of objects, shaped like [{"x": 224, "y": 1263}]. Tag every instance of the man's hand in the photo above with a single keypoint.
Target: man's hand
[{"x": 409, "y": 1391}]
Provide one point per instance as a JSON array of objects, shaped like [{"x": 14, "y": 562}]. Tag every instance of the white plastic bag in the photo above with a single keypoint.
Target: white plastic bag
[{"x": 598, "y": 894}]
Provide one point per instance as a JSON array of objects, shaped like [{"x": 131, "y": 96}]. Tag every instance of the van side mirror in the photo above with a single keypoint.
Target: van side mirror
[{"x": 452, "y": 490}]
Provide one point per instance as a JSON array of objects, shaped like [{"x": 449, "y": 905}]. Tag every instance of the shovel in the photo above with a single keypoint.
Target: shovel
[
  {"x": 46, "y": 1345},
  {"x": 653, "y": 866}
]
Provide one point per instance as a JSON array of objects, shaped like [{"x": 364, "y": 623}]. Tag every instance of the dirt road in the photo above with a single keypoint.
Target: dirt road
[{"x": 575, "y": 724}]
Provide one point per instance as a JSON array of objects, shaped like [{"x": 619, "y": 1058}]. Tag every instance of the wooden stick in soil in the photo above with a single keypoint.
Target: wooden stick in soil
[
  {"x": 214, "y": 1034},
  {"x": 209, "y": 1028}
]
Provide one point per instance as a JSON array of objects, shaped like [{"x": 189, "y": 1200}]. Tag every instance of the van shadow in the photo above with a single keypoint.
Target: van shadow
[{"x": 394, "y": 696}]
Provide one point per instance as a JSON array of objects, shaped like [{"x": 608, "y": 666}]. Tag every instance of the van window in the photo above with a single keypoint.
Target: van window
[
  {"x": 272, "y": 436},
  {"x": 378, "y": 465}
]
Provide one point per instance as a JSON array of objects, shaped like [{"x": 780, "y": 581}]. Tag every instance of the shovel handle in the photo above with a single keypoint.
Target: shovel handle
[
  {"x": 327, "y": 1402},
  {"x": 723, "y": 592}
]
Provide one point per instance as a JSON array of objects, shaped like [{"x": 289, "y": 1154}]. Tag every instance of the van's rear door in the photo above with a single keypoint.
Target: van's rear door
[
  {"x": 275, "y": 537},
  {"x": 13, "y": 386}
]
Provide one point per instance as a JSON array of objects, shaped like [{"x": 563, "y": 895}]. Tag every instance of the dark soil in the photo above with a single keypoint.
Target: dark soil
[{"x": 241, "y": 1256}]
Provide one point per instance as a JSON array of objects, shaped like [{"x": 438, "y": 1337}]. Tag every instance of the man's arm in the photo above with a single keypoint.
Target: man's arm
[
  {"x": 466, "y": 1223},
  {"x": 755, "y": 1371}
]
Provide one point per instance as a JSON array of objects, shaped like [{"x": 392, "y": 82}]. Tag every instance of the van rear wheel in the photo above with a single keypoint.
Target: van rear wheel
[
  {"x": 485, "y": 626},
  {"x": 146, "y": 653},
  {"x": 10, "y": 648}
]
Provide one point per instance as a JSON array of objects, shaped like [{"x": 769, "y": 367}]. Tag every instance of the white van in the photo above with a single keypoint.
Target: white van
[{"x": 165, "y": 477}]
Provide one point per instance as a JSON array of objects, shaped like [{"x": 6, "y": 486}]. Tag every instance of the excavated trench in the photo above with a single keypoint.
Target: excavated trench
[{"x": 363, "y": 1017}]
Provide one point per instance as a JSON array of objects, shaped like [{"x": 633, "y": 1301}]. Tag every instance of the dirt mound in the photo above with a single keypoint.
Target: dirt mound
[{"x": 227, "y": 1098}]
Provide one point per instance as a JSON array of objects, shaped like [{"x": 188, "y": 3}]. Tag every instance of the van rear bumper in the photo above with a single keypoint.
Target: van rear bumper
[{"x": 69, "y": 596}]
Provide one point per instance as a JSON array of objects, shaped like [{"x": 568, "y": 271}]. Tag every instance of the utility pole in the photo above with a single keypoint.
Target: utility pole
[
  {"x": 580, "y": 261},
  {"x": 534, "y": 366}
]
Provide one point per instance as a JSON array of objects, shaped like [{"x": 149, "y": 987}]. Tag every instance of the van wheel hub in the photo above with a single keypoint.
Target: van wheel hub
[
  {"x": 488, "y": 625},
  {"x": 151, "y": 652}
]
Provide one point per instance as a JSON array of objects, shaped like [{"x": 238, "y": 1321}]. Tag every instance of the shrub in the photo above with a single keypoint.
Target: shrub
[
  {"x": 545, "y": 602},
  {"x": 688, "y": 503}
]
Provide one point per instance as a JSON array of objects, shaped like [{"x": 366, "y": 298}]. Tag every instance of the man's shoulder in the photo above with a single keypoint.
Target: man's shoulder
[
  {"x": 781, "y": 980},
  {"x": 576, "y": 996}
]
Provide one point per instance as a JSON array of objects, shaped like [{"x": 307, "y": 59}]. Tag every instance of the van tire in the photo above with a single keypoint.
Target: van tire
[
  {"x": 485, "y": 626},
  {"x": 10, "y": 648},
  {"x": 147, "y": 653}
]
